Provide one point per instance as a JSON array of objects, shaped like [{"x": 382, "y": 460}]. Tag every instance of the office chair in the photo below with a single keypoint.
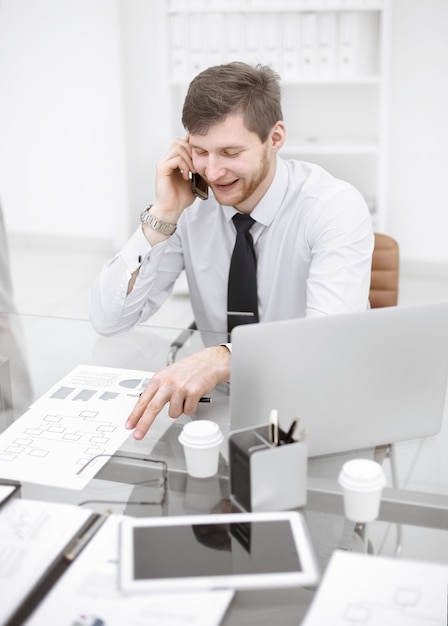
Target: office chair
[
  {"x": 383, "y": 285},
  {"x": 385, "y": 268}
]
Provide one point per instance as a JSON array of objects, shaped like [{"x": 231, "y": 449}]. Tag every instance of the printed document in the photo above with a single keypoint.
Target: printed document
[
  {"x": 67, "y": 435},
  {"x": 378, "y": 591}
]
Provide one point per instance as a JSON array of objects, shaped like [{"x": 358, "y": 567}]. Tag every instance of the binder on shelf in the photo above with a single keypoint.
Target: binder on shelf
[
  {"x": 253, "y": 39},
  {"x": 214, "y": 39},
  {"x": 234, "y": 36},
  {"x": 309, "y": 45},
  {"x": 178, "y": 30},
  {"x": 271, "y": 43},
  {"x": 326, "y": 44},
  {"x": 348, "y": 36},
  {"x": 290, "y": 32},
  {"x": 197, "y": 60}
]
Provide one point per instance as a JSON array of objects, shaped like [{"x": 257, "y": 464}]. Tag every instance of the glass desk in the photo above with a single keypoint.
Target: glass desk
[{"x": 413, "y": 520}]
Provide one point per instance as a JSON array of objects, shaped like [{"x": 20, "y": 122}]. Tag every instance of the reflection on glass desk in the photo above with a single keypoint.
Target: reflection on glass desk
[{"x": 413, "y": 520}]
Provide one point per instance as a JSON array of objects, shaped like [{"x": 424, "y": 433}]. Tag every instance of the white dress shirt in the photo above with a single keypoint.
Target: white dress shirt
[{"x": 313, "y": 240}]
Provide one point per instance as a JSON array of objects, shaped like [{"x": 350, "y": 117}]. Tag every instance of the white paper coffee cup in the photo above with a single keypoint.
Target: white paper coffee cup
[
  {"x": 362, "y": 482},
  {"x": 201, "y": 441}
]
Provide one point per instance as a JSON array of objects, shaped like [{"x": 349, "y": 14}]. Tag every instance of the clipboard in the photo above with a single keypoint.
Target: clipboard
[
  {"x": 8, "y": 489},
  {"x": 24, "y": 523}
]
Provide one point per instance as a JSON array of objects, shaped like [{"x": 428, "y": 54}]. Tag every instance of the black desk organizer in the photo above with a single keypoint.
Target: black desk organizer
[{"x": 264, "y": 477}]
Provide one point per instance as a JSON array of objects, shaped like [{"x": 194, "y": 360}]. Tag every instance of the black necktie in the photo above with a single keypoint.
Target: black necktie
[{"x": 242, "y": 307}]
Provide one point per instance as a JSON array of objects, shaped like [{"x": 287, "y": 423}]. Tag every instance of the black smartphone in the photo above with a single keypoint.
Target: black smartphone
[{"x": 199, "y": 186}]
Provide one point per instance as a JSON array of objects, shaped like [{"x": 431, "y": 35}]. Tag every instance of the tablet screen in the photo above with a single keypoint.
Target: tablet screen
[
  {"x": 215, "y": 549},
  {"x": 239, "y": 550}
]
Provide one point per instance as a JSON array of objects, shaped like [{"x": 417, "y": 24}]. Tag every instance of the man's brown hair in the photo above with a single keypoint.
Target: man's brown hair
[{"x": 233, "y": 88}]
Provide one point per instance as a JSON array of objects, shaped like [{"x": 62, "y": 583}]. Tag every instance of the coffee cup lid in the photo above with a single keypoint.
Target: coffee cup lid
[
  {"x": 362, "y": 474},
  {"x": 201, "y": 434}
]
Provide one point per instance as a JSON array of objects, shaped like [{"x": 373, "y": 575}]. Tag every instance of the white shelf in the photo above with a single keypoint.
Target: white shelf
[
  {"x": 331, "y": 149},
  {"x": 271, "y": 6},
  {"x": 331, "y": 57},
  {"x": 334, "y": 81},
  {"x": 310, "y": 82}
]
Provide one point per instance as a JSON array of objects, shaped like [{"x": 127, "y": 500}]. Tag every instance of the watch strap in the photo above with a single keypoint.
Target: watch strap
[{"x": 154, "y": 223}]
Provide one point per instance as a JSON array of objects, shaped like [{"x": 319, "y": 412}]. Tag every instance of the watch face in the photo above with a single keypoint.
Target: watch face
[{"x": 145, "y": 215}]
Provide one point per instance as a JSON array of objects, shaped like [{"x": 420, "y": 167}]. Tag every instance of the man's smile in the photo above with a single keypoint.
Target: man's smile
[{"x": 225, "y": 186}]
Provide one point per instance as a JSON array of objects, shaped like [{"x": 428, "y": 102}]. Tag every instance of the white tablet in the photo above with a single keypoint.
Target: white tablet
[{"x": 227, "y": 550}]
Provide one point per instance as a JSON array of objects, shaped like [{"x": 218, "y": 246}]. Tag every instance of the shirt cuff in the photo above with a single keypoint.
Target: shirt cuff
[{"x": 135, "y": 250}]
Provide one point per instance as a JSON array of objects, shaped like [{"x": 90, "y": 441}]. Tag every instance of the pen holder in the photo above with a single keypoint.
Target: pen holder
[{"x": 264, "y": 477}]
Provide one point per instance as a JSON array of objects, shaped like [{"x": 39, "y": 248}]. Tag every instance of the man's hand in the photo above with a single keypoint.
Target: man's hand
[
  {"x": 180, "y": 384},
  {"x": 173, "y": 183}
]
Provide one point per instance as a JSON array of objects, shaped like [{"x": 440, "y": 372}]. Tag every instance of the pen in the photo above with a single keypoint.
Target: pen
[
  {"x": 81, "y": 542},
  {"x": 204, "y": 399},
  {"x": 273, "y": 427},
  {"x": 292, "y": 428}
]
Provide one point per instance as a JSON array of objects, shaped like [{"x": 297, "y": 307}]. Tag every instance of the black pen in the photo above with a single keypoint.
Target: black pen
[
  {"x": 204, "y": 399},
  {"x": 291, "y": 431}
]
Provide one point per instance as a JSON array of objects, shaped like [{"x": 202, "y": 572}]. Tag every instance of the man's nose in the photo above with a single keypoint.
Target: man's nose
[{"x": 214, "y": 169}]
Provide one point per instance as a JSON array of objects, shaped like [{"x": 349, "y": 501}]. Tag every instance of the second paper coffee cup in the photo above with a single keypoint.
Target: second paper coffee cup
[{"x": 362, "y": 481}]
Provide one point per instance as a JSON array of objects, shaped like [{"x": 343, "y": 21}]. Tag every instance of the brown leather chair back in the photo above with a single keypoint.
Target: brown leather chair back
[{"x": 385, "y": 267}]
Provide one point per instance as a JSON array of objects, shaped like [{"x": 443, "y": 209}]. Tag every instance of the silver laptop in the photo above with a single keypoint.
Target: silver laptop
[{"x": 355, "y": 380}]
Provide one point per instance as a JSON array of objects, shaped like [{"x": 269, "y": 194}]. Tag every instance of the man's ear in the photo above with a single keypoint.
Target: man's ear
[{"x": 277, "y": 135}]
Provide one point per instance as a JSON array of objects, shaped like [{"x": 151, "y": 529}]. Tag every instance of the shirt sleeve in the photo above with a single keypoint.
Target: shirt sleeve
[
  {"x": 341, "y": 242},
  {"x": 111, "y": 309}
]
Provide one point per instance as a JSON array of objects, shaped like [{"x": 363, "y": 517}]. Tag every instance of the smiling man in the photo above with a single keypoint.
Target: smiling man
[{"x": 312, "y": 233}]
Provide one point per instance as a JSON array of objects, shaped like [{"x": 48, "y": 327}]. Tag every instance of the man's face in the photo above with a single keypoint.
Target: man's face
[{"x": 236, "y": 164}]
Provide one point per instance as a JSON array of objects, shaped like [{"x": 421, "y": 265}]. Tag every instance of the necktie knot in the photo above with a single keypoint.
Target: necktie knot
[{"x": 243, "y": 223}]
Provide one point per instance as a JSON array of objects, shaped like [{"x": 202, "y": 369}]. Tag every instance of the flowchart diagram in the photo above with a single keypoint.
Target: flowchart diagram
[
  {"x": 362, "y": 590},
  {"x": 79, "y": 423}
]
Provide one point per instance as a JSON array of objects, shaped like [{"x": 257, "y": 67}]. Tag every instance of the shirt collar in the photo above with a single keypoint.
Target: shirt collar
[{"x": 269, "y": 204}]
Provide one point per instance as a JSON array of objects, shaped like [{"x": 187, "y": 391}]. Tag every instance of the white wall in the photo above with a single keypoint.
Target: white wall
[
  {"x": 145, "y": 86},
  {"x": 62, "y": 157},
  {"x": 84, "y": 117}
]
